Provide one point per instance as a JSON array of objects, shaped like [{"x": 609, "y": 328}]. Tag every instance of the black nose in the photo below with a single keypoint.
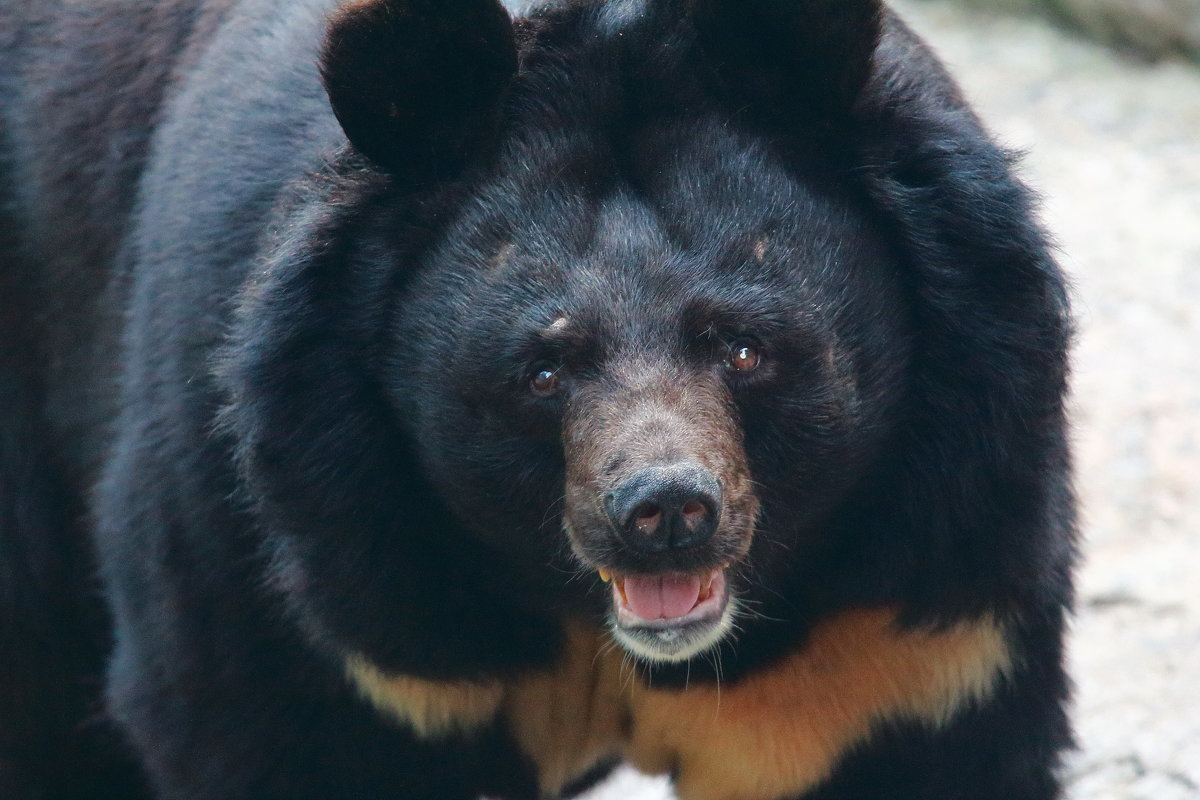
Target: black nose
[{"x": 666, "y": 508}]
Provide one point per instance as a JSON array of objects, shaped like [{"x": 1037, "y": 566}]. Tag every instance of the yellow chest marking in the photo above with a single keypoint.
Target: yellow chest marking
[
  {"x": 785, "y": 729},
  {"x": 433, "y": 709},
  {"x": 777, "y": 733}
]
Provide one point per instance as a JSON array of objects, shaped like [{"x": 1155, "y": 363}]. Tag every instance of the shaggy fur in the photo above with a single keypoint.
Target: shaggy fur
[{"x": 278, "y": 281}]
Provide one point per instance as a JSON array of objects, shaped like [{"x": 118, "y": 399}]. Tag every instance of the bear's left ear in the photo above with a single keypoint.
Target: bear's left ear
[
  {"x": 416, "y": 84},
  {"x": 792, "y": 57}
]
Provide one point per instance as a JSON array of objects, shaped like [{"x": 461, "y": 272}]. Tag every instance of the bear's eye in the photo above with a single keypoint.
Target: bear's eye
[
  {"x": 545, "y": 379},
  {"x": 744, "y": 356}
]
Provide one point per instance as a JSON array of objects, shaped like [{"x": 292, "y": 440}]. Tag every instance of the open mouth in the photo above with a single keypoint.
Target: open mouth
[{"x": 670, "y": 617}]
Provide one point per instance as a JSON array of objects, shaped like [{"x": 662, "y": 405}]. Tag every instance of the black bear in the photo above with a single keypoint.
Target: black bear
[{"x": 422, "y": 399}]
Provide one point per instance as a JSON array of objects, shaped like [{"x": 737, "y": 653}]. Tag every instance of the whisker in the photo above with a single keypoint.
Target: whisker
[{"x": 715, "y": 660}]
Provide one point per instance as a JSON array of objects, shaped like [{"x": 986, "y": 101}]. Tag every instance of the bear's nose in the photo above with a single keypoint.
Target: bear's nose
[{"x": 664, "y": 508}]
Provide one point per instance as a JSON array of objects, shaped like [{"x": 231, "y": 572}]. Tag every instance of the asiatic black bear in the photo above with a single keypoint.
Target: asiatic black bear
[{"x": 455, "y": 404}]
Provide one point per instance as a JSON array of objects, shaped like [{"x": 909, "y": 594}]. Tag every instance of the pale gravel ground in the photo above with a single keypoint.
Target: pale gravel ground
[{"x": 1114, "y": 147}]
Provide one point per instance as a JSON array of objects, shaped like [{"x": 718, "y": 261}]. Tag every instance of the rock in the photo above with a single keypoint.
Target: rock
[
  {"x": 1151, "y": 28},
  {"x": 1154, "y": 27}
]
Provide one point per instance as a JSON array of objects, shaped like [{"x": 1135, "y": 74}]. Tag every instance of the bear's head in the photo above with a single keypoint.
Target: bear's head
[{"x": 627, "y": 309}]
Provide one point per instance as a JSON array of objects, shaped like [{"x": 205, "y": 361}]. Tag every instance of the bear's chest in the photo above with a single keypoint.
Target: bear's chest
[{"x": 777, "y": 733}]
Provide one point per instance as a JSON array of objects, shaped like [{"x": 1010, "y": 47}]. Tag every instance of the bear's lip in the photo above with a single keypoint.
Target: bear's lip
[
  {"x": 670, "y": 616},
  {"x": 670, "y": 600}
]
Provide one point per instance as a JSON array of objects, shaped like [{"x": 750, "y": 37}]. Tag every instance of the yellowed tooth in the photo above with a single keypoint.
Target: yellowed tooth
[
  {"x": 605, "y": 575},
  {"x": 706, "y": 584}
]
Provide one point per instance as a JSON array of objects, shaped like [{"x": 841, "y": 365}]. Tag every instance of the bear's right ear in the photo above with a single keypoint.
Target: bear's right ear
[
  {"x": 416, "y": 84},
  {"x": 792, "y": 57}
]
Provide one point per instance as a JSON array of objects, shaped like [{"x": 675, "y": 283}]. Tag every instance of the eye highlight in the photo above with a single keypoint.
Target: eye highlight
[
  {"x": 745, "y": 355},
  {"x": 544, "y": 379}
]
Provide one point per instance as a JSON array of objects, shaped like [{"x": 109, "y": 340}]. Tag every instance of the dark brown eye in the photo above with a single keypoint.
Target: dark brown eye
[
  {"x": 744, "y": 356},
  {"x": 544, "y": 381}
]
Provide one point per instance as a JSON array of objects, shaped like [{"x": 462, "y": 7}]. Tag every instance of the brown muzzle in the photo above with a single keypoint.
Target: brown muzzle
[{"x": 657, "y": 478}]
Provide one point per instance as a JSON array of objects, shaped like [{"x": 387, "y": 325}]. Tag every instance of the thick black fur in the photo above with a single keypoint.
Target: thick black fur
[{"x": 266, "y": 351}]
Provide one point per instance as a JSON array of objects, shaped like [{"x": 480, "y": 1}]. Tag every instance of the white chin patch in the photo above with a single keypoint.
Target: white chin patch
[{"x": 670, "y": 643}]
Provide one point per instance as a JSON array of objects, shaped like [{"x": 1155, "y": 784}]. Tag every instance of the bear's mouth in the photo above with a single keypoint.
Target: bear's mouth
[{"x": 670, "y": 616}]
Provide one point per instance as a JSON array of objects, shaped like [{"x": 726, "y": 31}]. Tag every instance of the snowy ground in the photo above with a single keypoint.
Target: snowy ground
[{"x": 1114, "y": 146}]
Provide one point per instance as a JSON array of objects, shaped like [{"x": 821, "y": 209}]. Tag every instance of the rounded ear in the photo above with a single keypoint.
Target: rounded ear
[
  {"x": 416, "y": 84},
  {"x": 792, "y": 57}
]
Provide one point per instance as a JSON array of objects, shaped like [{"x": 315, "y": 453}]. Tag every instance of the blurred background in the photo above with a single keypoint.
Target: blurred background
[{"x": 1104, "y": 97}]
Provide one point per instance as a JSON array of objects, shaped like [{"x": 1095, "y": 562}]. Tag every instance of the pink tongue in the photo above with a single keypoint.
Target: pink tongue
[{"x": 662, "y": 597}]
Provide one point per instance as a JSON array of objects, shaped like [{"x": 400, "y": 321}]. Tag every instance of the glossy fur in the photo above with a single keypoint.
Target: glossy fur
[{"x": 275, "y": 279}]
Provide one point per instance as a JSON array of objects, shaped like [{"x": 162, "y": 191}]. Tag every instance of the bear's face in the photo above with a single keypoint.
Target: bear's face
[
  {"x": 614, "y": 288},
  {"x": 702, "y": 298},
  {"x": 675, "y": 366}
]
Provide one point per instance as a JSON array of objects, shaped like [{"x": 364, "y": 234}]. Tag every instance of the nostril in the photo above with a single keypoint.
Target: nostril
[
  {"x": 694, "y": 514},
  {"x": 647, "y": 518}
]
